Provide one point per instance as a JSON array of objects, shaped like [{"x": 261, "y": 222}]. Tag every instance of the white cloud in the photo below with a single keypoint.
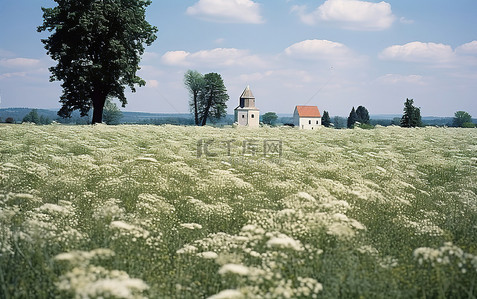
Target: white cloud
[
  {"x": 399, "y": 79},
  {"x": 19, "y": 63},
  {"x": 468, "y": 49},
  {"x": 13, "y": 75},
  {"x": 406, "y": 21},
  {"x": 350, "y": 14},
  {"x": 219, "y": 57},
  {"x": 437, "y": 54},
  {"x": 323, "y": 50},
  {"x": 227, "y": 11},
  {"x": 176, "y": 58}
]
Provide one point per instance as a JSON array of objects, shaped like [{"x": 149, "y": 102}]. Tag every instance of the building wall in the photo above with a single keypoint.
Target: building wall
[
  {"x": 296, "y": 118},
  {"x": 253, "y": 118},
  {"x": 247, "y": 117},
  {"x": 309, "y": 123}
]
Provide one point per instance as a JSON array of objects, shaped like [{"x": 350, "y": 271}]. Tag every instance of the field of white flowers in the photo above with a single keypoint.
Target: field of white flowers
[{"x": 187, "y": 212}]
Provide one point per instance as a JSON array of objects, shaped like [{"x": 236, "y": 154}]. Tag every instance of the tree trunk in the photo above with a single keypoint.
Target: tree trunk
[
  {"x": 196, "y": 110},
  {"x": 207, "y": 108},
  {"x": 99, "y": 98}
]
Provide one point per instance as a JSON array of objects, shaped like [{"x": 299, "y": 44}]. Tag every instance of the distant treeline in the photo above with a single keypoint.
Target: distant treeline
[{"x": 18, "y": 114}]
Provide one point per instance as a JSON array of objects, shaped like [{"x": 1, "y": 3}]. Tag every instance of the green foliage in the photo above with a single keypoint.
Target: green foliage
[
  {"x": 325, "y": 120},
  {"x": 366, "y": 126},
  {"x": 97, "y": 46},
  {"x": 460, "y": 118},
  {"x": 9, "y": 120},
  {"x": 269, "y": 118},
  {"x": 468, "y": 125},
  {"x": 34, "y": 117},
  {"x": 195, "y": 83},
  {"x": 411, "y": 116},
  {"x": 396, "y": 121},
  {"x": 363, "y": 115},
  {"x": 212, "y": 99},
  {"x": 352, "y": 119},
  {"x": 111, "y": 113},
  {"x": 339, "y": 122}
]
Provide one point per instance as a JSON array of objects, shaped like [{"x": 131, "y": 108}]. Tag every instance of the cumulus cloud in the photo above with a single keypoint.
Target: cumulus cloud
[
  {"x": 227, "y": 11},
  {"x": 19, "y": 63},
  {"x": 438, "y": 54},
  {"x": 468, "y": 49},
  {"x": 350, "y": 14},
  {"x": 322, "y": 50},
  {"x": 406, "y": 21},
  {"x": 221, "y": 57}
]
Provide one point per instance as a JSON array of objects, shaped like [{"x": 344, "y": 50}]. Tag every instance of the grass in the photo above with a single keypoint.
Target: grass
[{"x": 134, "y": 212}]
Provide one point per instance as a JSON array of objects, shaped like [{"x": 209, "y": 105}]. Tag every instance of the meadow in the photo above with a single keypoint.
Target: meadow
[{"x": 200, "y": 212}]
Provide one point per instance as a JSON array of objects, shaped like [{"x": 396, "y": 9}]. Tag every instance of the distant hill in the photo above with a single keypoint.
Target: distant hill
[{"x": 19, "y": 113}]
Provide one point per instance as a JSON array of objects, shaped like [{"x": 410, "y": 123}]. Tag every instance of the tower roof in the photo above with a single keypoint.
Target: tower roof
[{"x": 247, "y": 93}]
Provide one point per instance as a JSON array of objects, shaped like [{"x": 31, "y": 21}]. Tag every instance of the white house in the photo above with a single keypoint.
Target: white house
[
  {"x": 246, "y": 114},
  {"x": 307, "y": 117}
]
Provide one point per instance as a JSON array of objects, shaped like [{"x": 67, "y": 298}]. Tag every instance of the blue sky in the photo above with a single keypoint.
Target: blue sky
[{"x": 335, "y": 54}]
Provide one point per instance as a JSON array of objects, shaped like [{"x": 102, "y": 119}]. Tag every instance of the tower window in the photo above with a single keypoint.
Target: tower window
[
  {"x": 243, "y": 116},
  {"x": 253, "y": 115},
  {"x": 309, "y": 122}
]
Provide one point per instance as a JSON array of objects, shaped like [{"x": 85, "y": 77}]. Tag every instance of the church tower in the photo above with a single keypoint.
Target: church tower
[{"x": 246, "y": 114}]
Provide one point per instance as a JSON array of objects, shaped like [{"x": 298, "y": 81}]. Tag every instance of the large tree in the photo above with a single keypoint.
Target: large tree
[
  {"x": 98, "y": 46},
  {"x": 363, "y": 115},
  {"x": 325, "y": 120},
  {"x": 411, "y": 116},
  {"x": 194, "y": 81},
  {"x": 212, "y": 99},
  {"x": 461, "y": 118},
  {"x": 352, "y": 119}
]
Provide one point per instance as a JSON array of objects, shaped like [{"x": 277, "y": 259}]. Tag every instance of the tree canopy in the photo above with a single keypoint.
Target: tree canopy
[
  {"x": 212, "y": 99},
  {"x": 352, "y": 119},
  {"x": 325, "y": 120},
  {"x": 98, "y": 46},
  {"x": 269, "y": 118},
  {"x": 411, "y": 116},
  {"x": 195, "y": 83},
  {"x": 461, "y": 118},
  {"x": 34, "y": 117},
  {"x": 111, "y": 113},
  {"x": 363, "y": 115}
]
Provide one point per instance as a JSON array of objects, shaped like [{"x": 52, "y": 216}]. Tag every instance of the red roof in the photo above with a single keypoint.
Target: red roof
[{"x": 308, "y": 111}]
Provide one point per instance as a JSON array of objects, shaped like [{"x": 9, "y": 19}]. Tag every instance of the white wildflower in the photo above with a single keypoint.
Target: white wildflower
[
  {"x": 208, "y": 255},
  {"x": 306, "y": 196},
  {"x": 283, "y": 241},
  {"x": 234, "y": 269},
  {"x": 187, "y": 249},
  {"x": 340, "y": 230},
  {"x": 227, "y": 294},
  {"x": 191, "y": 226}
]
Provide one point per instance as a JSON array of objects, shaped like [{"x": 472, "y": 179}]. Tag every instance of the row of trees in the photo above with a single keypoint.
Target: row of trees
[
  {"x": 208, "y": 96},
  {"x": 360, "y": 117},
  {"x": 34, "y": 117}
]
